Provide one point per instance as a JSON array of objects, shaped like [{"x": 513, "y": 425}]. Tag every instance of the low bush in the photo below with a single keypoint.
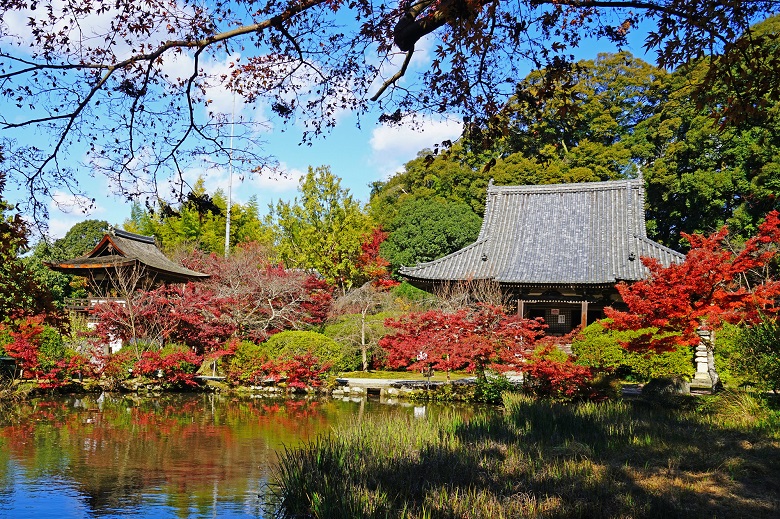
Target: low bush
[
  {"x": 174, "y": 366},
  {"x": 600, "y": 348},
  {"x": 550, "y": 373},
  {"x": 113, "y": 369},
  {"x": 245, "y": 363},
  {"x": 490, "y": 388},
  {"x": 298, "y": 372},
  {"x": 287, "y": 345}
]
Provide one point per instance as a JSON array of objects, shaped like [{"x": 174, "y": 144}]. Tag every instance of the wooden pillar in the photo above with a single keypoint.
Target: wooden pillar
[
  {"x": 584, "y": 313},
  {"x": 520, "y": 307}
]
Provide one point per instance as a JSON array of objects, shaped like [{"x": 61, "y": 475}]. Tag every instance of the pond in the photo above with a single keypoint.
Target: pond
[{"x": 175, "y": 455}]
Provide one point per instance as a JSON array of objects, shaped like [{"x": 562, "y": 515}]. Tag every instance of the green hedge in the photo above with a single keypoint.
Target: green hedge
[
  {"x": 601, "y": 348},
  {"x": 290, "y": 343}
]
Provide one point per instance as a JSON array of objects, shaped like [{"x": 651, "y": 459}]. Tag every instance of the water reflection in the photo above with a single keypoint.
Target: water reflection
[{"x": 117, "y": 455}]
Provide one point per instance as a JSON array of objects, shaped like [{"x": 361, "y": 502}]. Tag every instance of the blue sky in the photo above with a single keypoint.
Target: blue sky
[{"x": 358, "y": 156}]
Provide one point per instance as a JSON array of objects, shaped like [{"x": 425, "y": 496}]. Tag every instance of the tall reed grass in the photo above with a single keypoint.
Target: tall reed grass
[{"x": 538, "y": 459}]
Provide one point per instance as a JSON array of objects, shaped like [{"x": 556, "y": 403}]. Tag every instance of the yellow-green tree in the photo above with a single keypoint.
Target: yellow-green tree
[
  {"x": 199, "y": 222},
  {"x": 322, "y": 229}
]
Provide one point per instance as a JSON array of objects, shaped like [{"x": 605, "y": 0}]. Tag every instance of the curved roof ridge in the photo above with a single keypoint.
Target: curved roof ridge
[
  {"x": 133, "y": 236},
  {"x": 601, "y": 185},
  {"x": 660, "y": 246},
  {"x": 451, "y": 255}
]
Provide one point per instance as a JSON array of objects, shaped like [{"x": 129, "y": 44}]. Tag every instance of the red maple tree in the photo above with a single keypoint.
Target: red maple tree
[
  {"x": 263, "y": 298},
  {"x": 470, "y": 338},
  {"x": 189, "y": 314},
  {"x": 371, "y": 263},
  {"x": 715, "y": 283}
]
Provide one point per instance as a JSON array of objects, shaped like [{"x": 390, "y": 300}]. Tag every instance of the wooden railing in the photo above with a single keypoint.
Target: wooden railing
[{"x": 83, "y": 304}]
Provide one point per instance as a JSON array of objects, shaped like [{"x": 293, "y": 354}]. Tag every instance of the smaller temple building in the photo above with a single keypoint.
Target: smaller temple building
[
  {"x": 127, "y": 259},
  {"x": 557, "y": 251}
]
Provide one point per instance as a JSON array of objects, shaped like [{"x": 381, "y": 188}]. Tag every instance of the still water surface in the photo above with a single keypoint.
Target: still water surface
[{"x": 177, "y": 456}]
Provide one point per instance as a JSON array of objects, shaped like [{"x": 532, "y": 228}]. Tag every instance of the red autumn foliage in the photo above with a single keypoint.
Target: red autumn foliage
[
  {"x": 174, "y": 368},
  {"x": 25, "y": 347},
  {"x": 371, "y": 263},
  {"x": 188, "y": 314},
  {"x": 263, "y": 298},
  {"x": 300, "y": 371},
  {"x": 714, "y": 284},
  {"x": 112, "y": 368},
  {"x": 64, "y": 370},
  {"x": 25, "y": 344},
  {"x": 548, "y": 376},
  {"x": 470, "y": 339}
]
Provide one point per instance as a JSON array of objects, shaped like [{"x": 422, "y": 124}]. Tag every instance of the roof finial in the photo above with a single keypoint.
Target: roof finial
[{"x": 490, "y": 182}]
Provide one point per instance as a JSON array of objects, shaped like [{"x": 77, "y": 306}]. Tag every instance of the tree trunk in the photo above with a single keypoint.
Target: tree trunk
[{"x": 363, "y": 351}]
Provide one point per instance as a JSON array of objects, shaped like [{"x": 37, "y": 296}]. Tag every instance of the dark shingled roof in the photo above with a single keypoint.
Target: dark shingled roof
[
  {"x": 574, "y": 234},
  {"x": 121, "y": 248}
]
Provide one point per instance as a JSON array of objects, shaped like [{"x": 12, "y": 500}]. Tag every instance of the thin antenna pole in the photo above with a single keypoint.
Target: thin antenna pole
[{"x": 230, "y": 178}]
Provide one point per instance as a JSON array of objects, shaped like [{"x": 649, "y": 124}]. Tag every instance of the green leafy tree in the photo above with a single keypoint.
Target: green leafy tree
[
  {"x": 21, "y": 291},
  {"x": 703, "y": 175},
  {"x": 322, "y": 229},
  {"x": 445, "y": 174},
  {"x": 79, "y": 240},
  {"x": 600, "y": 102},
  {"x": 199, "y": 222},
  {"x": 424, "y": 230}
]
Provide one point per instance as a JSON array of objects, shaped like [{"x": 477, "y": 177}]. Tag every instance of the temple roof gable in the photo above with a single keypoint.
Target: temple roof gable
[
  {"x": 123, "y": 248},
  {"x": 584, "y": 234}
]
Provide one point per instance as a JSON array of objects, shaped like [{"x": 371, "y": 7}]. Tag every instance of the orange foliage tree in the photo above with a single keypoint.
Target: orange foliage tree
[{"x": 715, "y": 283}]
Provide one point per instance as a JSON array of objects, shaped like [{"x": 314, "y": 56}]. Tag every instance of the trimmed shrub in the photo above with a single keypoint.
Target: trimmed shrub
[
  {"x": 287, "y": 345},
  {"x": 245, "y": 363},
  {"x": 602, "y": 349}
]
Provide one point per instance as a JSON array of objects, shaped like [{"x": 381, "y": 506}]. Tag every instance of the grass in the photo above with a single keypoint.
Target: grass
[{"x": 716, "y": 457}]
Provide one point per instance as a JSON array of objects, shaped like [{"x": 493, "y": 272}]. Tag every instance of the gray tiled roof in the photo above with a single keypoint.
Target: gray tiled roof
[
  {"x": 118, "y": 248},
  {"x": 589, "y": 233}
]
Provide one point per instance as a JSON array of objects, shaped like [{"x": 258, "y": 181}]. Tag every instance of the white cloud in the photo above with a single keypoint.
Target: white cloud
[
  {"x": 282, "y": 179},
  {"x": 393, "y": 146},
  {"x": 66, "y": 210}
]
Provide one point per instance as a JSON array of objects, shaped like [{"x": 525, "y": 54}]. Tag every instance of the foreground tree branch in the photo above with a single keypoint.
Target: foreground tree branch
[{"x": 132, "y": 90}]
